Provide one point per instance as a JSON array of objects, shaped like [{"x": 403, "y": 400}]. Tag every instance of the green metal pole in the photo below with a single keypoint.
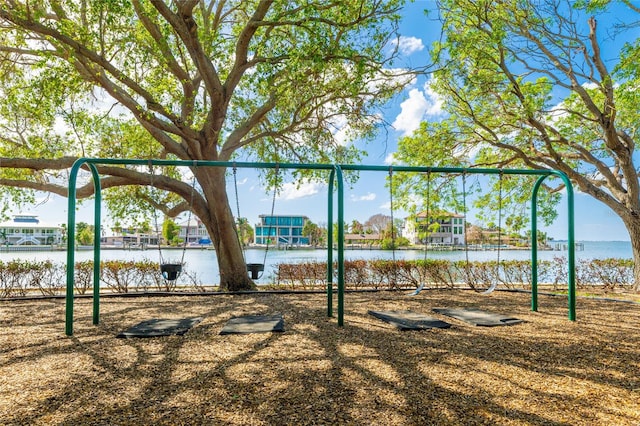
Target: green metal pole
[
  {"x": 340, "y": 246},
  {"x": 571, "y": 250},
  {"x": 534, "y": 243},
  {"x": 571, "y": 254},
  {"x": 96, "y": 243},
  {"x": 330, "y": 245},
  {"x": 71, "y": 236}
]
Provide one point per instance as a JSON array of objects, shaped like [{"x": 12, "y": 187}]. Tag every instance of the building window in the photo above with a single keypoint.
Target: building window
[{"x": 284, "y": 221}]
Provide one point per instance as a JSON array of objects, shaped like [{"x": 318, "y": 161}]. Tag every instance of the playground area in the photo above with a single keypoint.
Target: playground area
[{"x": 544, "y": 370}]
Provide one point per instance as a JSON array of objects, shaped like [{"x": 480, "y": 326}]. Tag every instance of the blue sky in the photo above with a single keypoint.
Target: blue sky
[{"x": 369, "y": 195}]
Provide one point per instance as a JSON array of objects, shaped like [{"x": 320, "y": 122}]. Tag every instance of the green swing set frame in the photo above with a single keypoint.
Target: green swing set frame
[{"x": 336, "y": 180}]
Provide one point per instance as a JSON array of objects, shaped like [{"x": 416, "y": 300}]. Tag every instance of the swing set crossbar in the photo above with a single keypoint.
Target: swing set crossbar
[{"x": 336, "y": 179}]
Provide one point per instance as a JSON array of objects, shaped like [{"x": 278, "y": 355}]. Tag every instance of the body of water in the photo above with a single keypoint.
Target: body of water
[{"x": 203, "y": 262}]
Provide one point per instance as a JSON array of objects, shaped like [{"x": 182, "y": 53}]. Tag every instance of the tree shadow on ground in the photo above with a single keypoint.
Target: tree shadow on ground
[{"x": 544, "y": 371}]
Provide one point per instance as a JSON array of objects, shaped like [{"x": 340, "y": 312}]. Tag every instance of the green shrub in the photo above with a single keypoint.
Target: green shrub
[
  {"x": 435, "y": 273},
  {"x": 22, "y": 278}
]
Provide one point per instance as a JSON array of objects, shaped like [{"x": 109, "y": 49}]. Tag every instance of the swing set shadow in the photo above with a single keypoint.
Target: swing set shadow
[{"x": 335, "y": 188}]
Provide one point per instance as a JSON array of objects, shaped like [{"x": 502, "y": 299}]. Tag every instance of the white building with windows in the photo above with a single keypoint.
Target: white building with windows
[
  {"x": 28, "y": 230},
  {"x": 129, "y": 240},
  {"x": 449, "y": 229},
  {"x": 194, "y": 232}
]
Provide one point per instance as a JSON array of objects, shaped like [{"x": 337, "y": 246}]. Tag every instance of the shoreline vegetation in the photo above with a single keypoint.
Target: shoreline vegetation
[
  {"x": 552, "y": 245},
  {"x": 430, "y": 247},
  {"x": 608, "y": 277}
]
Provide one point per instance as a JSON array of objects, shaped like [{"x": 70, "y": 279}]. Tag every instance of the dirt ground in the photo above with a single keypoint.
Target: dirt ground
[{"x": 546, "y": 371}]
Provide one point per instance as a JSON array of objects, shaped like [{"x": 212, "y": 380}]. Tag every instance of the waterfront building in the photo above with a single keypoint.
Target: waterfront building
[
  {"x": 25, "y": 230},
  {"x": 129, "y": 240},
  {"x": 362, "y": 240},
  {"x": 450, "y": 229},
  {"x": 193, "y": 232},
  {"x": 280, "y": 230}
]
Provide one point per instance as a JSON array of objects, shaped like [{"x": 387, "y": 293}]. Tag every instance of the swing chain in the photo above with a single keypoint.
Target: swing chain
[
  {"x": 428, "y": 218},
  {"x": 273, "y": 206},
  {"x": 464, "y": 211},
  {"x": 173, "y": 270},
  {"x": 393, "y": 237},
  {"x": 494, "y": 284},
  {"x": 239, "y": 228},
  {"x": 186, "y": 235},
  {"x": 155, "y": 213},
  {"x": 499, "y": 222}
]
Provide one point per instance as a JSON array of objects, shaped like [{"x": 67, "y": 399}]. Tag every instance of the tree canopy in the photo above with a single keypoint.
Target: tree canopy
[
  {"x": 203, "y": 78},
  {"x": 259, "y": 80},
  {"x": 530, "y": 85}
]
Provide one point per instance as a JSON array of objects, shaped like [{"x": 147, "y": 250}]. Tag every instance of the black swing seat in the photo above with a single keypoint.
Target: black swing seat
[
  {"x": 171, "y": 271},
  {"x": 254, "y": 268}
]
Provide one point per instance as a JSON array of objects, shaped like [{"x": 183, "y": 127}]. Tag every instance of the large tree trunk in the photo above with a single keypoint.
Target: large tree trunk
[
  {"x": 632, "y": 224},
  {"x": 221, "y": 228},
  {"x": 635, "y": 249}
]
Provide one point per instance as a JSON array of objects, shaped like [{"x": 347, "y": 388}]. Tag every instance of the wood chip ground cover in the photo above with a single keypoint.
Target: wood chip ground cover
[{"x": 546, "y": 371}]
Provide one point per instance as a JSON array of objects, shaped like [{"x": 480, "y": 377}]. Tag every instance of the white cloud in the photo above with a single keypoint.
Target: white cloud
[
  {"x": 390, "y": 158},
  {"x": 557, "y": 113},
  {"x": 400, "y": 76},
  {"x": 367, "y": 197},
  {"x": 291, "y": 191},
  {"x": 341, "y": 130},
  {"x": 412, "y": 112},
  {"x": 408, "y": 45},
  {"x": 421, "y": 104},
  {"x": 60, "y": 127},
  {"x": 436, "y": 101},
  {"x": 415, "y": 200}
]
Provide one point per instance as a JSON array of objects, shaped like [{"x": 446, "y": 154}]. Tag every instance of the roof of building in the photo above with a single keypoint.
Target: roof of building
[
  {"x": 26, "y": 221},
  {"x": 283, "y": 215},
  {"x": 424, "y": 214},
  {"x": 194, "y": 222}
]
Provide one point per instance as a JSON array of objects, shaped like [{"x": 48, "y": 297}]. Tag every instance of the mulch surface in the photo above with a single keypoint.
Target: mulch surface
[{"x": 547, "y": 370}]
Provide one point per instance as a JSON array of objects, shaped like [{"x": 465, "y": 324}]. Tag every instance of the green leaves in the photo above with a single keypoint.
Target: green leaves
[
  {"x": 255, "y": 80},
  {"x": 527, "y": 85}
]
